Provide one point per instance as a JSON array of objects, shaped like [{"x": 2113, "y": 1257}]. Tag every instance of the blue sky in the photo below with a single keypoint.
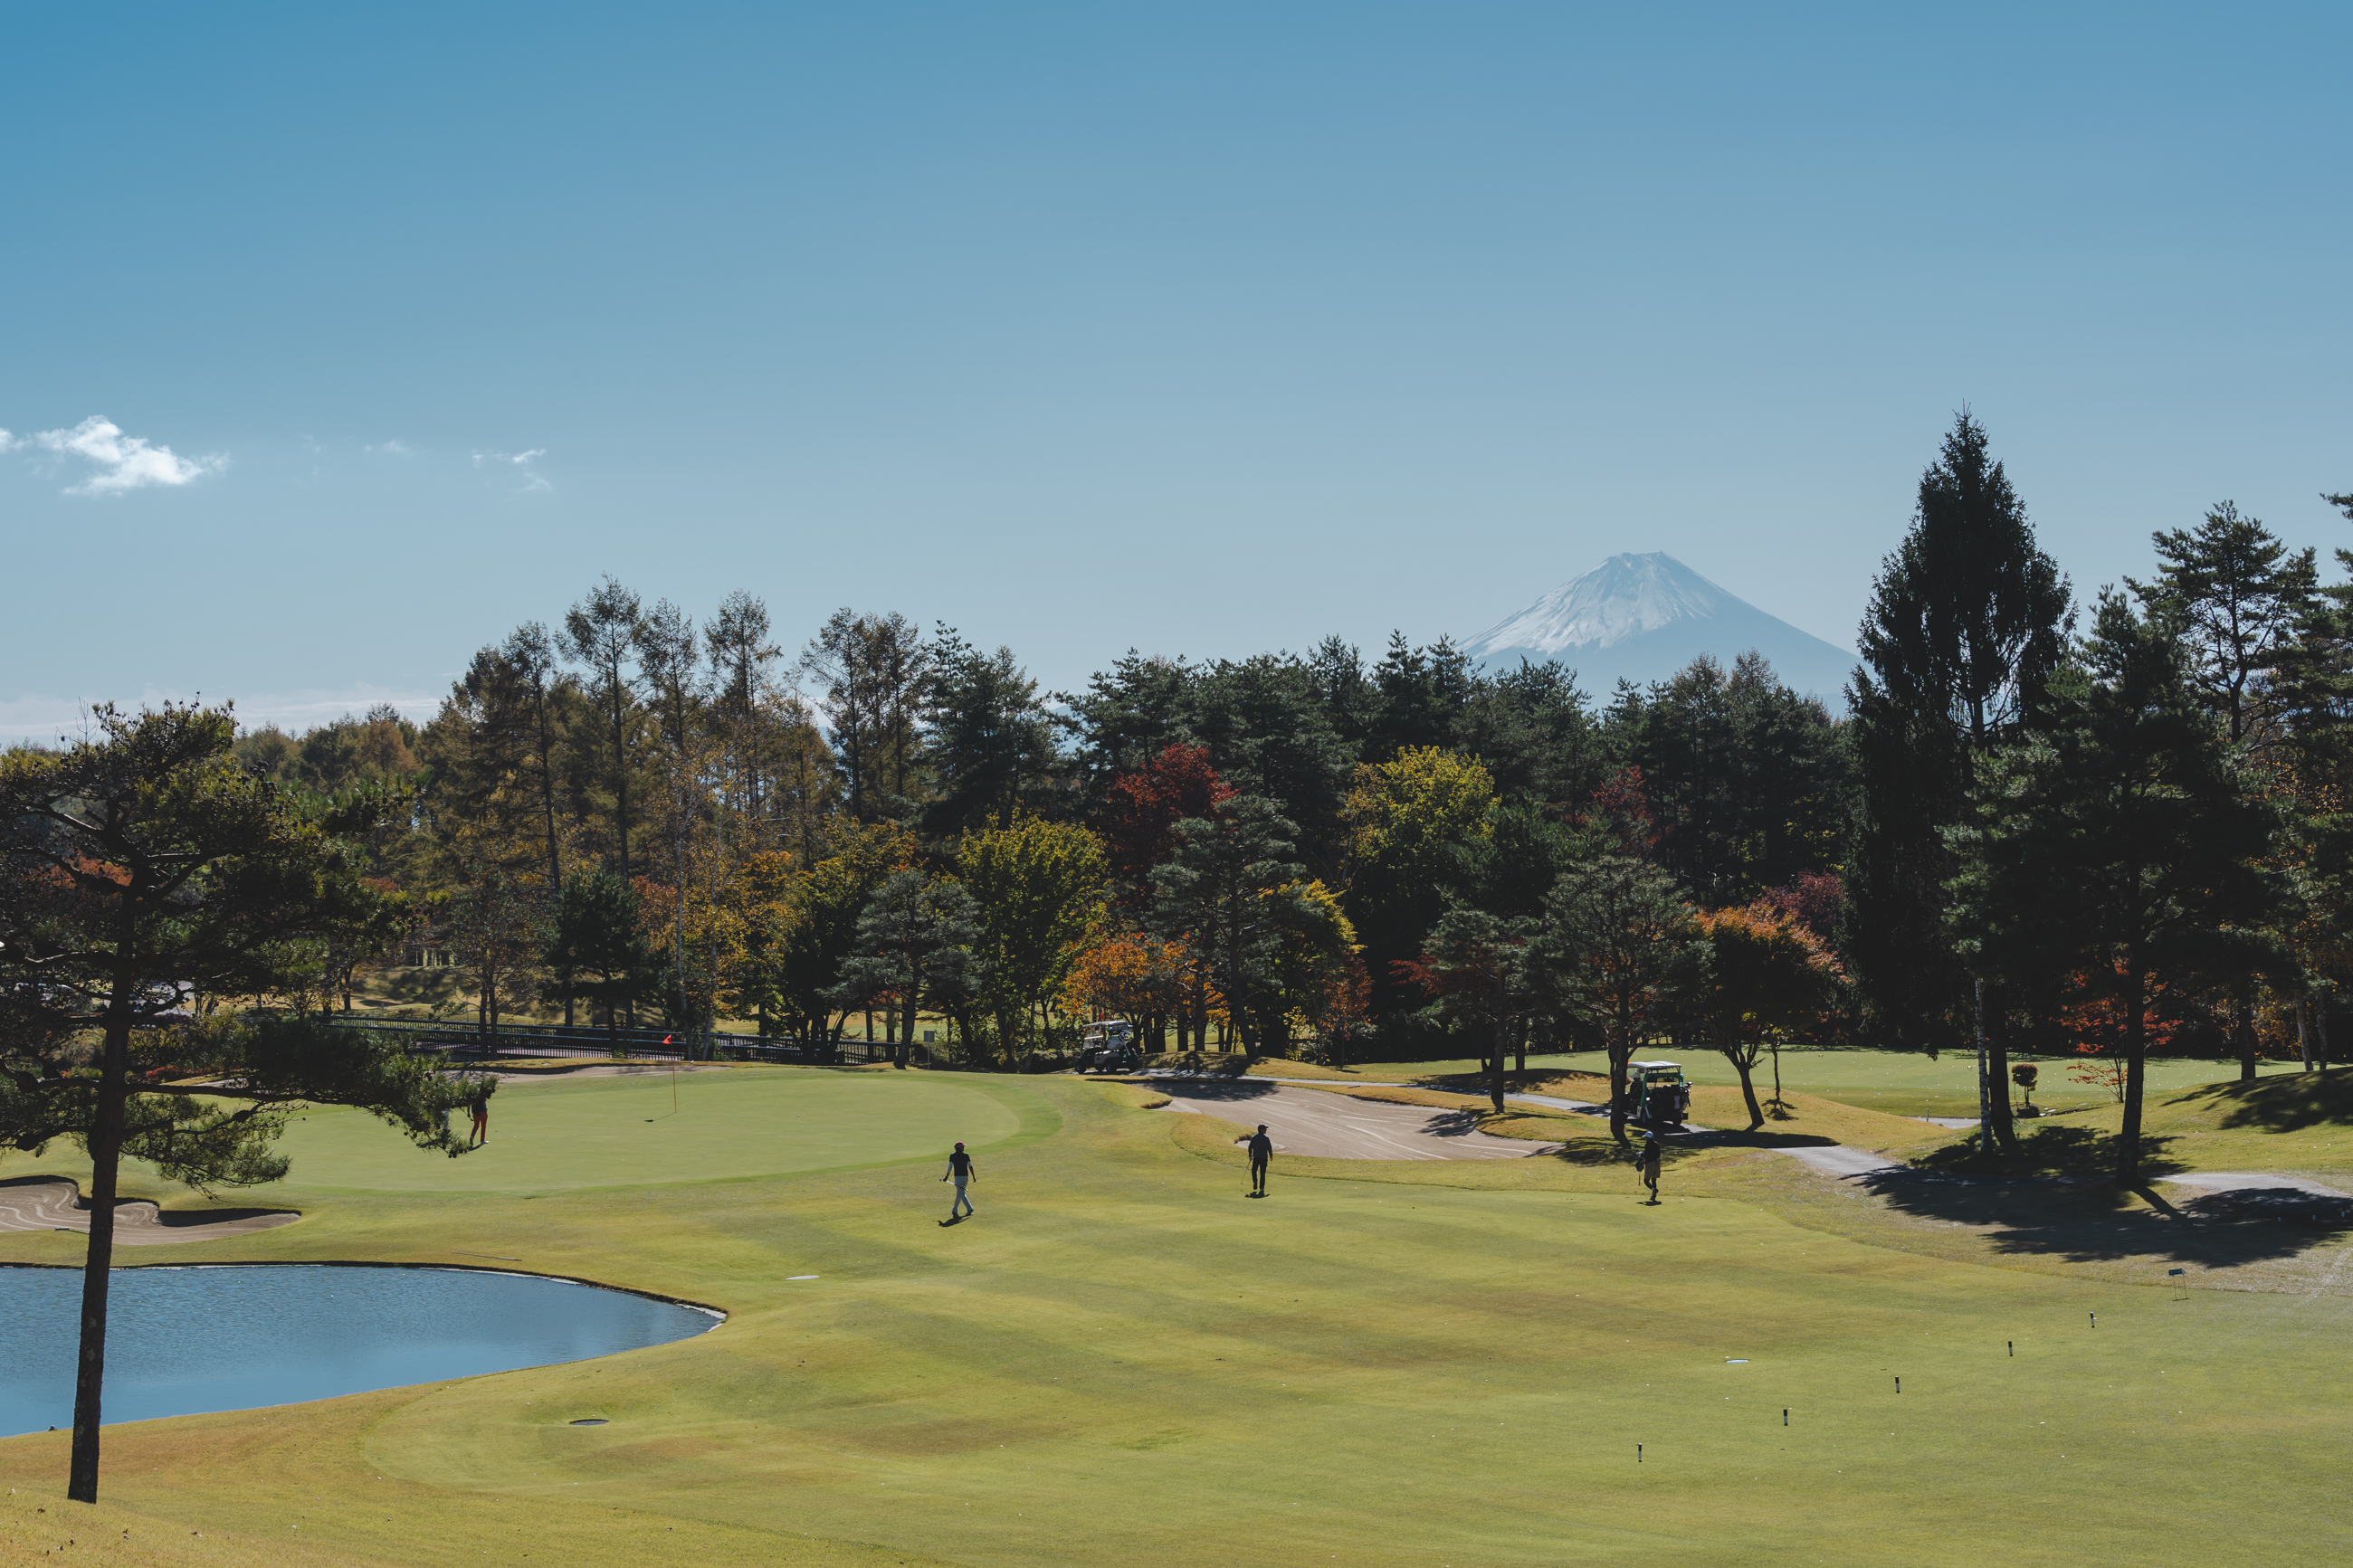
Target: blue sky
[{"x": 1199, "y": 329}]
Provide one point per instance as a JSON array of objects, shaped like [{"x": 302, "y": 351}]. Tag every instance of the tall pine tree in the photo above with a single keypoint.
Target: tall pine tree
[{"x": 1967, "y": 621}]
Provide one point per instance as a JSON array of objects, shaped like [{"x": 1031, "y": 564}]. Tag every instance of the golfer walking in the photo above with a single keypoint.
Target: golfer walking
[
  {"x": 1261, "y": 1150},
  {"x": 959, "y": 1172},
  {"x": 1647, "y": 1163}
]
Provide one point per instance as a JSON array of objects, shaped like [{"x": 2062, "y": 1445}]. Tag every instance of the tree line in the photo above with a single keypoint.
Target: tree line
[{"x": 639, "y": 817}]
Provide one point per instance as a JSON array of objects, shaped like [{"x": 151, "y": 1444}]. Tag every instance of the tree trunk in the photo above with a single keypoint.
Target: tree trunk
[
  {"x": 1985, "y": 1083},
  {"x": 1621, "y": 1051},
  {"x": 2005, "y": 1130},
  {"x": 1743, "y": 1061},
  {"x": 2128, "y": 1139},
  {"x": 1499, "y": 1046},
  {"x": 2303, "y": 1033},
  {"x": 2242, "y": 1025},
  {"x": 106, "y": 1163}
]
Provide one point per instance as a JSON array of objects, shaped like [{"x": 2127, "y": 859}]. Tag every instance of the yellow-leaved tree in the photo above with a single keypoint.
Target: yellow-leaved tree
[{"x": 1039, "y": 887}]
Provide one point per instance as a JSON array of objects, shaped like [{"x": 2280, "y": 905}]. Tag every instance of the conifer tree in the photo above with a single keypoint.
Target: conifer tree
[
  {"x": 1967, "y": 622},
  {"x": 2122, "y": 847}
]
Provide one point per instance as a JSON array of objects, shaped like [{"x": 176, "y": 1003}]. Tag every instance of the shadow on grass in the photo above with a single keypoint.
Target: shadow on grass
[
  {"x": 2054, "y": 1198},
  {"x": 2282, "y": 1103}
]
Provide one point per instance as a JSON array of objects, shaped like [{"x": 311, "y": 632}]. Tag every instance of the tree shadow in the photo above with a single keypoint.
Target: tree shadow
[
  {"x": 1762, "y": 1138},
  {"x": 1241, "y": 1088},
  {"x": 2282, "y": 1103},
  {"x": 2049, "y": 1152},
  {"x": 2054, "y": 1199}
]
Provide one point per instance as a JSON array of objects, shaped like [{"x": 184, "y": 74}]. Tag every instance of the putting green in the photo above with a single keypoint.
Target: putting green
[
  {"x": 623, "y": 1131},
  {"x": 1124, "y": 1359},
  {"x": 566, "y": 1133}
]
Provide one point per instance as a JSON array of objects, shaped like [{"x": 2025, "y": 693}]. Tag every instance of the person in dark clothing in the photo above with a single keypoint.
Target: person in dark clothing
[
  {"x": 1261, "y": 1150},
  {"x": 1647, "y": 1163},
  {"x": 959, "y": 1172},
  {"x": 480, "y": 1106}
]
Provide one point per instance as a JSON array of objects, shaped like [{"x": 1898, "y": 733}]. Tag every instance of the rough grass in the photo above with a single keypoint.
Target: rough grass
[{"x": 1124, "y": 1359}]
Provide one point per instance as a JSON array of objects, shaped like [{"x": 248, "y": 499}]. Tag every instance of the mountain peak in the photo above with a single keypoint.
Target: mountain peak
[{"x": 1642, "y": 617}]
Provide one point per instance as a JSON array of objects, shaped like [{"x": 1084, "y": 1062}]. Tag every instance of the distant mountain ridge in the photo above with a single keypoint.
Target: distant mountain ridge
[{"x": 1643, "y": 617}]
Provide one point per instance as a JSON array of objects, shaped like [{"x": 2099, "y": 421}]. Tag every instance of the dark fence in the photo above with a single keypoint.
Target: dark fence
[{"x": 460, "y": 1038}]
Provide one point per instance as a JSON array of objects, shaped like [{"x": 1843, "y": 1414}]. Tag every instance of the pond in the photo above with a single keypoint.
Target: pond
[{"x": 181, "y": 1341}]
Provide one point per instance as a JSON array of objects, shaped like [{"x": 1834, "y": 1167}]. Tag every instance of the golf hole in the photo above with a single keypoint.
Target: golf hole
[{"x": 592, "y": 1421}]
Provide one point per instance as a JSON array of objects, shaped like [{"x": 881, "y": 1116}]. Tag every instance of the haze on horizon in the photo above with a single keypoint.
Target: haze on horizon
[{"x": 342, "y": 342}]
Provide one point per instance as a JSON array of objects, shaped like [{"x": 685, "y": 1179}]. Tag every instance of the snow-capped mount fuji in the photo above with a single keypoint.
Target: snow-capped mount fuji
[{"x": 1643, "y": 617}]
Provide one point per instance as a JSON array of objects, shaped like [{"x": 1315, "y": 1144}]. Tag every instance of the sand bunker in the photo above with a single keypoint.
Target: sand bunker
[
  {"x": 48, "y": 1202},
  {"x": 1340, "y": 1127}
]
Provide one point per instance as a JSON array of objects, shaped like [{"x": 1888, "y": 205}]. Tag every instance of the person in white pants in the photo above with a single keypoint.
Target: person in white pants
[{"x": 959, "y": 1172}]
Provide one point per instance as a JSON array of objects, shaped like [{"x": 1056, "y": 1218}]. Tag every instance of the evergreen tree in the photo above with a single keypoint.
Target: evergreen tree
[
  {"x": 1217, "y": 894},
  {"x": 1536, "y": 733},
  {"x": 2120, "y": 849},
  {"x": 601, "y": 632},
  {"x": 2240, "y": 601},
  {"x": 989, "y": 747},
  {"x": 595, "y": 945},
  {"x": 1270, "y": 735},
  {"x": 876, "y": 672},
  {"x": 1750, "y": 784},
  {"x": 1967, "y": 622},
  {"x": 915, "y": 948},
  {"x": 1127, "y": 714},
  {"x": 2239, "y": 597},
  {"x": 140, "y": 870}
]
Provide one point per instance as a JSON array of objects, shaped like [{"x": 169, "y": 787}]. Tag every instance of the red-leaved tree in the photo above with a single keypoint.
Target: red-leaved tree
[{"x": 1144, "y": 807}]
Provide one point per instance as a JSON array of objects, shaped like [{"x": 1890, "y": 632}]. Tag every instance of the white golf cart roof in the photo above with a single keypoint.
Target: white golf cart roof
[{"x": 1677, "y": 1065}]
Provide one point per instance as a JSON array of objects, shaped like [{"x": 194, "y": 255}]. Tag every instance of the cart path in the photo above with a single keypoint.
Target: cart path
[
  {"x": 1839, "y": 1160},
  {"x": 1338, "y": 1127},
  {"x": 50, "y": 1203}
]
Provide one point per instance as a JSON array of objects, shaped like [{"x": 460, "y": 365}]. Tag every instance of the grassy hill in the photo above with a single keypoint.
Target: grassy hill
[{"x": 1124, "y": 1360}]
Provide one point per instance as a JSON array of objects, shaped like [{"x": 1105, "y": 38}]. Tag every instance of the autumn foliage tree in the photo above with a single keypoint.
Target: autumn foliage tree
[
  {"x": 1143, "y": 807},
  {"x": 1769, "y": 978}
]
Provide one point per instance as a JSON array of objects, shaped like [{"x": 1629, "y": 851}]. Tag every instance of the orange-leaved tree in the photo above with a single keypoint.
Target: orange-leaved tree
[
  {"x": 1769, "y": 978},
  {"x": 1133, "y": 976}
]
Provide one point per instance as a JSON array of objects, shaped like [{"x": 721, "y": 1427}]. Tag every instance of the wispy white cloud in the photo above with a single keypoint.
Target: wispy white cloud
[
  {"x": 533, "y": 479},
  {"x": 123, "y": 462},
  {"x": 395, "y": 448},
  {"x": 44, "y": 720}
]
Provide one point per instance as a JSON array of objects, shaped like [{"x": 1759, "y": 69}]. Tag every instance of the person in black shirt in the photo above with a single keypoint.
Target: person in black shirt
[
  {"x": 1261, "y": 1150},
  {"x": 1647, "y": 1163},
  {"x": 960, "y": 1172}
]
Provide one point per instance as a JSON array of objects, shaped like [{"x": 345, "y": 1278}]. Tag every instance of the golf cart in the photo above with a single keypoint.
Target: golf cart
[
  {"x": 1108, "y": 1047},
  {"x": 1658, "y": 1096}
]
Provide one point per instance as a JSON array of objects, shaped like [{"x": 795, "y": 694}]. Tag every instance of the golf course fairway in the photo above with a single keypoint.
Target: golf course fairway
[{"x": 1123, "y": 1359}]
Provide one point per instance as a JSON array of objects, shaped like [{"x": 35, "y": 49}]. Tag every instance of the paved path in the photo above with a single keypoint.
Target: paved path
[
  {"x": 1832, "y": 1159},
  {"x": 45, "y": 1202},
  {"x": 1340, "y": 1127}
]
